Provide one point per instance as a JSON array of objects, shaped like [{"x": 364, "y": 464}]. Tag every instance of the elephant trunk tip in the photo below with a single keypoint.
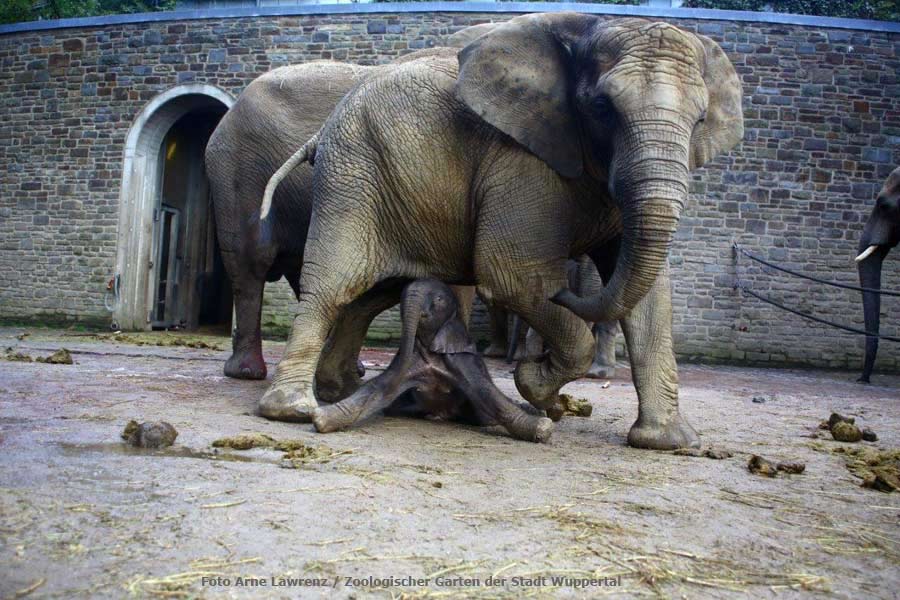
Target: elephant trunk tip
[{"x": 596, "y": 310}]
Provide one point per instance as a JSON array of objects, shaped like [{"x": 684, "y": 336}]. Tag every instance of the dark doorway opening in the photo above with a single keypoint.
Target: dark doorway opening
[{"x": 189, "y": 285}]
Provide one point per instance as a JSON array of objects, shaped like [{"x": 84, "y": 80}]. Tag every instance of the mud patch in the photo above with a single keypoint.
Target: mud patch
[{"x": 69, "y": 449}]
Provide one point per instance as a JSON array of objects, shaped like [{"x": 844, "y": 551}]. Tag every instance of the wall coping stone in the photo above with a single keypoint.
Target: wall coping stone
[{"x": 455, "y": 7}]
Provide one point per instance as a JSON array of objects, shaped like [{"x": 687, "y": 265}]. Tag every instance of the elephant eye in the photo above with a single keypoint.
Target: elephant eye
[
  {"x": 602, "y": 106},
  {"x": 702, "y": 117}
]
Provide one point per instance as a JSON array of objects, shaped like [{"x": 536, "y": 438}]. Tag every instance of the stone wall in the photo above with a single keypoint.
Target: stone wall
[{"x": 822, "y": 109}]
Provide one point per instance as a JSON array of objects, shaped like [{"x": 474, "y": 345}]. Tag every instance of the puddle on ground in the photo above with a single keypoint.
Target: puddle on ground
[{"x": 122, "y": 449}]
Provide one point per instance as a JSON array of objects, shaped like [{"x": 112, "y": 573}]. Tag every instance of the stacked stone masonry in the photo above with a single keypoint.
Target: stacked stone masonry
[{"x": 822, "y": 110}]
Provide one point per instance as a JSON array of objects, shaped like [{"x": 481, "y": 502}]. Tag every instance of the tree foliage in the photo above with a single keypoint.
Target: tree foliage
[
  {"x": 884, "y": 10},
  {"x": 14, "y": 11}
]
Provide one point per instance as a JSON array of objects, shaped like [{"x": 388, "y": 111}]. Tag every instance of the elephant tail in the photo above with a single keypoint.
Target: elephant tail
[{"x": 307, "y": 153}]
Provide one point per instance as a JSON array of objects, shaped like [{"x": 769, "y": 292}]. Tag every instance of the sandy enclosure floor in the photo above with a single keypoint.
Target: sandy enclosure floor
[{"x": 81, "y": 515}]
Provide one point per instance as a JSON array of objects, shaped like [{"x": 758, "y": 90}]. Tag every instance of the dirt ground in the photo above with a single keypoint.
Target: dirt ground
[{"x": 82, "y": 515}]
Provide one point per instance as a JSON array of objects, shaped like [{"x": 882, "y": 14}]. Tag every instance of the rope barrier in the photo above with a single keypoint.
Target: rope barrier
[
  {"x": 810, "y": 277},
  {"x": 743, "y": 288},
  {"x": 739, "y": 285}
]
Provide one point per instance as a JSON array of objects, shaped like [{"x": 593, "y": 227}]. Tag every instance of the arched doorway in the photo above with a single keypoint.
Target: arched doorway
[{"x": 168, "y": 266}]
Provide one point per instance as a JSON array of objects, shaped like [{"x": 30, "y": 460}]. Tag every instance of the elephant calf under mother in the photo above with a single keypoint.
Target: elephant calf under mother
[{"x": 554, "y": 135}]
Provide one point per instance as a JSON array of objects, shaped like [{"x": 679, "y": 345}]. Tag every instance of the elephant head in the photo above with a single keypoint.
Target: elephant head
[
  {"x": 429, "y": 315},
  {"x": 634, "y": 104},
  {"x": 881, "y": 233}
]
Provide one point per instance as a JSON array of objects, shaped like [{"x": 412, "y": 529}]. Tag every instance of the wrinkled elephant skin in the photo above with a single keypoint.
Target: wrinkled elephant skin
[{"x": 465, "y": 185}]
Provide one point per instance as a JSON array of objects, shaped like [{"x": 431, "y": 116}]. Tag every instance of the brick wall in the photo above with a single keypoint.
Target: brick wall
[{"x": 822, "y": 109}]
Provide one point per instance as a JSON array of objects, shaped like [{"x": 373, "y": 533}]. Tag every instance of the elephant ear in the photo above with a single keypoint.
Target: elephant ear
[
  {"x": 517, "y": 77},
  {"x": 723, "y": 127},
  {"x": 464, "y": 37},
  {"x": 452, "y": 338}
]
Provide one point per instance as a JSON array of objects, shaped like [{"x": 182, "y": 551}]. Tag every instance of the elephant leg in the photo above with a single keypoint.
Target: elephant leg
[
  {"x": 648, "y": 334},
  {"x": 246, "y": 361},
  {"x": 337, "y": 376},
  {"x": 329, "y": 283},
  {"x": 604, "y": 365},
  {"x": 499, "y": 332},
  {"x": 465, "y": 297},
  {"x": 534, "y": 343},
  {"x": 491, "y": 405},
  {"x": 370, "y": 399},
  {"x": 567, "y": 338}
]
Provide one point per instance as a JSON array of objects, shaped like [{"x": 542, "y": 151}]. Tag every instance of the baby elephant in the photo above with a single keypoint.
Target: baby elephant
[{"x": 437, "y": 362}]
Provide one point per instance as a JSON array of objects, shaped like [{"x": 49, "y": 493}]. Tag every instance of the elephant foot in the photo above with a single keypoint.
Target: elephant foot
[
  {"x": 324, "y": 420},
  {"x": 543, "y": 431},
  {"x": 598, "y": 371},
  {"x": 668, "y": 436},
  {"x": 863, "y": 379},
  {"x": 535, "y": 384},
  {"x": 333, "y": 388},
  {"x": 246, "y": 365},
  {"x": 286, "y": 404},
  {"x": 495, "y": 351},
  {"x": 556, "y": 411},
  {"x": 532, "y": 429}
]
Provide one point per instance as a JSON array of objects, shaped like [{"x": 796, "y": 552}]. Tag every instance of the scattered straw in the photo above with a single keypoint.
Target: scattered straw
[
  {"x": 223, "y": 504},
  {"x": 25, "y": 591}
]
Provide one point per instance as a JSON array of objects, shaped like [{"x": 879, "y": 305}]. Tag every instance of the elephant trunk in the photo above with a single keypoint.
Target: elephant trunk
[
  {"x": 649, "y": 180},
  {"x": 870, "y": 277},
  {"x": 410, "y": 313}
]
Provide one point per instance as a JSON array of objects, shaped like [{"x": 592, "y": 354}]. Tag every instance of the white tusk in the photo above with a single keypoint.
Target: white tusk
[{"x": 866, "y": 253}]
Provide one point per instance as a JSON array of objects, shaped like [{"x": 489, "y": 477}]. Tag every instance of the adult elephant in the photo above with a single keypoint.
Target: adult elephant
[
  {"x": 275, "y": 114},
  {"x": 555, "y": 135},
  {"x": 881, "y": 233}
]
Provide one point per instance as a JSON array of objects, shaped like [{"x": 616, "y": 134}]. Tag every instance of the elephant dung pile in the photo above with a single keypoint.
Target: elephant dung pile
[
  {"x": 844, "y": 429},
  {"x": 158, "y": 340},
  {"x": 296, "y": 452},
  {"x": 879, "y": 469},
  {"x": 159, "y": 434},
  {"x": 575, "y": 407},
  {"x": 60, "y": 357},
  {"x": 761, "y": 466}
]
